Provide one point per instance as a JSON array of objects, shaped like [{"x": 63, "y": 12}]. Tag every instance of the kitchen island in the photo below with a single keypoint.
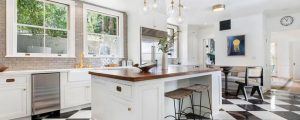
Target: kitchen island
[{"x": 127, "y": 94}]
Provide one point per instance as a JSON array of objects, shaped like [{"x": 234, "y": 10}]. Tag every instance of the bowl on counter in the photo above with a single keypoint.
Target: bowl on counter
[{"x": 111, "y": 65}]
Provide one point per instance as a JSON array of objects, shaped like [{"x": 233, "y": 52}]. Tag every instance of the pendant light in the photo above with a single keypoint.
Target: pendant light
[
  {"x": 180, "y": 7},
  {"x": 145, "y": 6},
  {"x": 171, "y": 8},
  {"x": 155, "y": 4}
]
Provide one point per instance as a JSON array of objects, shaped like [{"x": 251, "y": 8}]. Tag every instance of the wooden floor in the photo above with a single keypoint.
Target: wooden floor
[{"x": 292, "y": 86}]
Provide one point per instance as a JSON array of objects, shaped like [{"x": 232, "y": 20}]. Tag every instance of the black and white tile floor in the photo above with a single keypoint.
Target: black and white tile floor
[
  {"x": 83, "y": 114},
  {"x": 278, "y": 105}
]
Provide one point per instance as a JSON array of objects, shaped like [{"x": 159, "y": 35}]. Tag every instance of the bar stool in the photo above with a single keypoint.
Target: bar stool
[
  {"x": 198, "y": 88},
  {"x": 178, "y": 94}
]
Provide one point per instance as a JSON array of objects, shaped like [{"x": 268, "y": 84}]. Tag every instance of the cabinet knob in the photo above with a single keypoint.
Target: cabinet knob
[
  {"x": 119, "y": 89},
  {"x": 129, "y": 109},
  {"x": 24, "y": 89},
  {"x": 10, "y": 80}
]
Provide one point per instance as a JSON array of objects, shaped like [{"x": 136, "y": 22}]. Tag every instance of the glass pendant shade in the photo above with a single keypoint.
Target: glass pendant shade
[
  {"x": 180, "y": 19},
  {"x": 145, "y": 8},
  {"x": 171, "y": 11},
  {"x": 154, "y": 4}
]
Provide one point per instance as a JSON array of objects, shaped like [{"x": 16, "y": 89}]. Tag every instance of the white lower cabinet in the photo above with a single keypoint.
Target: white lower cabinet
[
  {"x": 75, "y": 92},
  {"x": 13, "y": 99},
  {"x": 15, "y": 93},
  {"x": 120, "y": 109},
  {"x": 76, "y": 95},
  {"x": 110, "y": 97}
]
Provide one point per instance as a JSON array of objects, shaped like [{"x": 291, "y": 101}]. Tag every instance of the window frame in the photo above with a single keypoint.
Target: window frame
[
  {"x": 120, "y": 31},
  {"x": 175, "y": 29},
  {"x": 12, "y": 24}
]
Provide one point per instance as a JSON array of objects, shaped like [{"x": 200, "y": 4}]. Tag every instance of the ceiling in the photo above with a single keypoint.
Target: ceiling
[{"x": 199, "y": 11}]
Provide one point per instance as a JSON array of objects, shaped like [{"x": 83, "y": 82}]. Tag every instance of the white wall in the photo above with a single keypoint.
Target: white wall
[
  {"x": 136, "y": 19},
  {"x": 273, "y": 23},
  {"x": 296, "y": 59},
  {"x": 283, "y": 59},
  {"x": 285, "y": 40},
  {"x": 183, "y": 45},
  {"x": 251, "y": 26}
]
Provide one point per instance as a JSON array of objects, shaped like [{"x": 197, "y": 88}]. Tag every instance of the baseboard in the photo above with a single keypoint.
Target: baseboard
[
  {"x": 23, "y": 118},
  {"x": 285, "y": 78},
  {"x": 75, "y": 108}
]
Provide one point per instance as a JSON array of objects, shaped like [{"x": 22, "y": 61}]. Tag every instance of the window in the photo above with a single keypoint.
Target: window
[
  {"x": 103, "y": 32},
  {"x": 150, "y": 52},
  {"x": 41, "y": 28}
]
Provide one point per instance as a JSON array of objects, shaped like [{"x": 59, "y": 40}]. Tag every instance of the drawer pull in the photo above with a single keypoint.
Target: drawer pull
[
  {"x": 119, "y": 89},
  {"x": 129, "y": 109},
  {"x": 10, "y": 80}
]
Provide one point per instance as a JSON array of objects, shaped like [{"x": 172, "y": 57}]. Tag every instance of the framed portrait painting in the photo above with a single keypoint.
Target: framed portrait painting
[{"x": 236, "y": 45}]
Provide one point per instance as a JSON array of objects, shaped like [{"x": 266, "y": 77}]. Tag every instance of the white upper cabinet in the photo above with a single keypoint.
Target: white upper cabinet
[
  {"x": 103, "y": 31},
  {"x": 40, "y": 28}
]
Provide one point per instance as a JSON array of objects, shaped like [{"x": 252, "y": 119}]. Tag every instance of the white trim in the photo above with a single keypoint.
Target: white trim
[
  {"x": 42, "y": 27},
  {"x": 11, "y": 30},
  {"x": 120, "y": 34}
]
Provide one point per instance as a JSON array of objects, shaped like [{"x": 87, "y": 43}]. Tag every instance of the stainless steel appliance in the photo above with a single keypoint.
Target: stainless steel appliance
[{"x": 45, "y": 93}]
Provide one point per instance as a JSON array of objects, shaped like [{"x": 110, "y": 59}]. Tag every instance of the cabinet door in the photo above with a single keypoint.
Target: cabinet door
[
  {"x": 120, "y": 109},
  {"x": 13, "y": 102},
  {"x": 101, "y": 104},
  {"x": 216, "y": 91},
  {"x": 88, "y": 95},
  {"x": 76, "y": 95}
]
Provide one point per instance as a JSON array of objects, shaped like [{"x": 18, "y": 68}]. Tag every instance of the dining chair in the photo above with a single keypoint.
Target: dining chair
[{"x": 253, "y": 79}]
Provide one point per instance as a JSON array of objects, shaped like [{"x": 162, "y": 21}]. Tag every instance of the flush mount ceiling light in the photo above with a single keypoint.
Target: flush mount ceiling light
[{"x": 218, "y": 7}]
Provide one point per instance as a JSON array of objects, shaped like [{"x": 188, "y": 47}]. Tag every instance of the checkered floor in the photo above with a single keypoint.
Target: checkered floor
[
  {"x": 83, "y": 114},
  {"x": 278, "y": 105}
]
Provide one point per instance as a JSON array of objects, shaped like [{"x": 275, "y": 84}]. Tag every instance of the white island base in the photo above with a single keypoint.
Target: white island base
[{"x": 114, "y": 99}]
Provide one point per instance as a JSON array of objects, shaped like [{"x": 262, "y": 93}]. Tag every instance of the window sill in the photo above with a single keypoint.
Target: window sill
[
  {"x": 16, "y": 56},
  {"x": 103, "y": 57}
]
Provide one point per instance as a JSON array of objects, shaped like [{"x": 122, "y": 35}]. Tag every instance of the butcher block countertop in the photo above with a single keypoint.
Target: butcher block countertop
[{"x": 134, "y": 75}]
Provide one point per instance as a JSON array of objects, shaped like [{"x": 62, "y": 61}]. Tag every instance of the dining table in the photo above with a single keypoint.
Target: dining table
[{"x": 226, "y": 70}]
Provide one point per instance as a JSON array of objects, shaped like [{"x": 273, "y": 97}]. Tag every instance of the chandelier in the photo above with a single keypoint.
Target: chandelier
[
  {"x": 171, "y": 9},
  {"x": 146, "y": 5}
]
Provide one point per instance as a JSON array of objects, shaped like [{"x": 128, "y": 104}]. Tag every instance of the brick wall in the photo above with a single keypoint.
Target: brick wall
[{"x": 46, "y": 63}]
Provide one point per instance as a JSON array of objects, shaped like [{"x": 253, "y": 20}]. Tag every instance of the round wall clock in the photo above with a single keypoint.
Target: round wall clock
[{"x": 287, "y": 20}]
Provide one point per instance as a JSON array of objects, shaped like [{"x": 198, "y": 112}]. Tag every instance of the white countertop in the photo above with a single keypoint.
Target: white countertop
[{"x": 56, "y": 70}]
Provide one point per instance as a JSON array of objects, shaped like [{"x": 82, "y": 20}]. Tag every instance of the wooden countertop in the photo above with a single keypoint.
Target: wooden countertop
[{"x": 134, "y": 75}]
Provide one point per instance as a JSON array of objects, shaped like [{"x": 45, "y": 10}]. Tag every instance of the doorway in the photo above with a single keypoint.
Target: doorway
[{"x": 285, "y": 60}]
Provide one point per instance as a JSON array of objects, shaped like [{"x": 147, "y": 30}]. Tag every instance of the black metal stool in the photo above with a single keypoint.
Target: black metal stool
[
  {"x": 198, "y": 88},
  {"x": 179, "y": 95}
]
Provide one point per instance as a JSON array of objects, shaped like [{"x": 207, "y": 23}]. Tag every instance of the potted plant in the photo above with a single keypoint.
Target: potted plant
[{"x": 166, "y": 45}]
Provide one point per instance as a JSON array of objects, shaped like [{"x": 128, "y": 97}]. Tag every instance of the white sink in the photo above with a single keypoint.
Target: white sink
[
  {"x": 83, "y": 74},
  {"x": 79, "y": 75}
]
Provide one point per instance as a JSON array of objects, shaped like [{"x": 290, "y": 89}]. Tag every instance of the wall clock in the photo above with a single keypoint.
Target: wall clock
[{"x": 287, "y": 20}]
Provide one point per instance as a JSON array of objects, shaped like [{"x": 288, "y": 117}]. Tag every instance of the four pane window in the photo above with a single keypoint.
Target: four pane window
[
  {"x": 102, "y": 34},
  {"x": 42, "y": 27}
]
